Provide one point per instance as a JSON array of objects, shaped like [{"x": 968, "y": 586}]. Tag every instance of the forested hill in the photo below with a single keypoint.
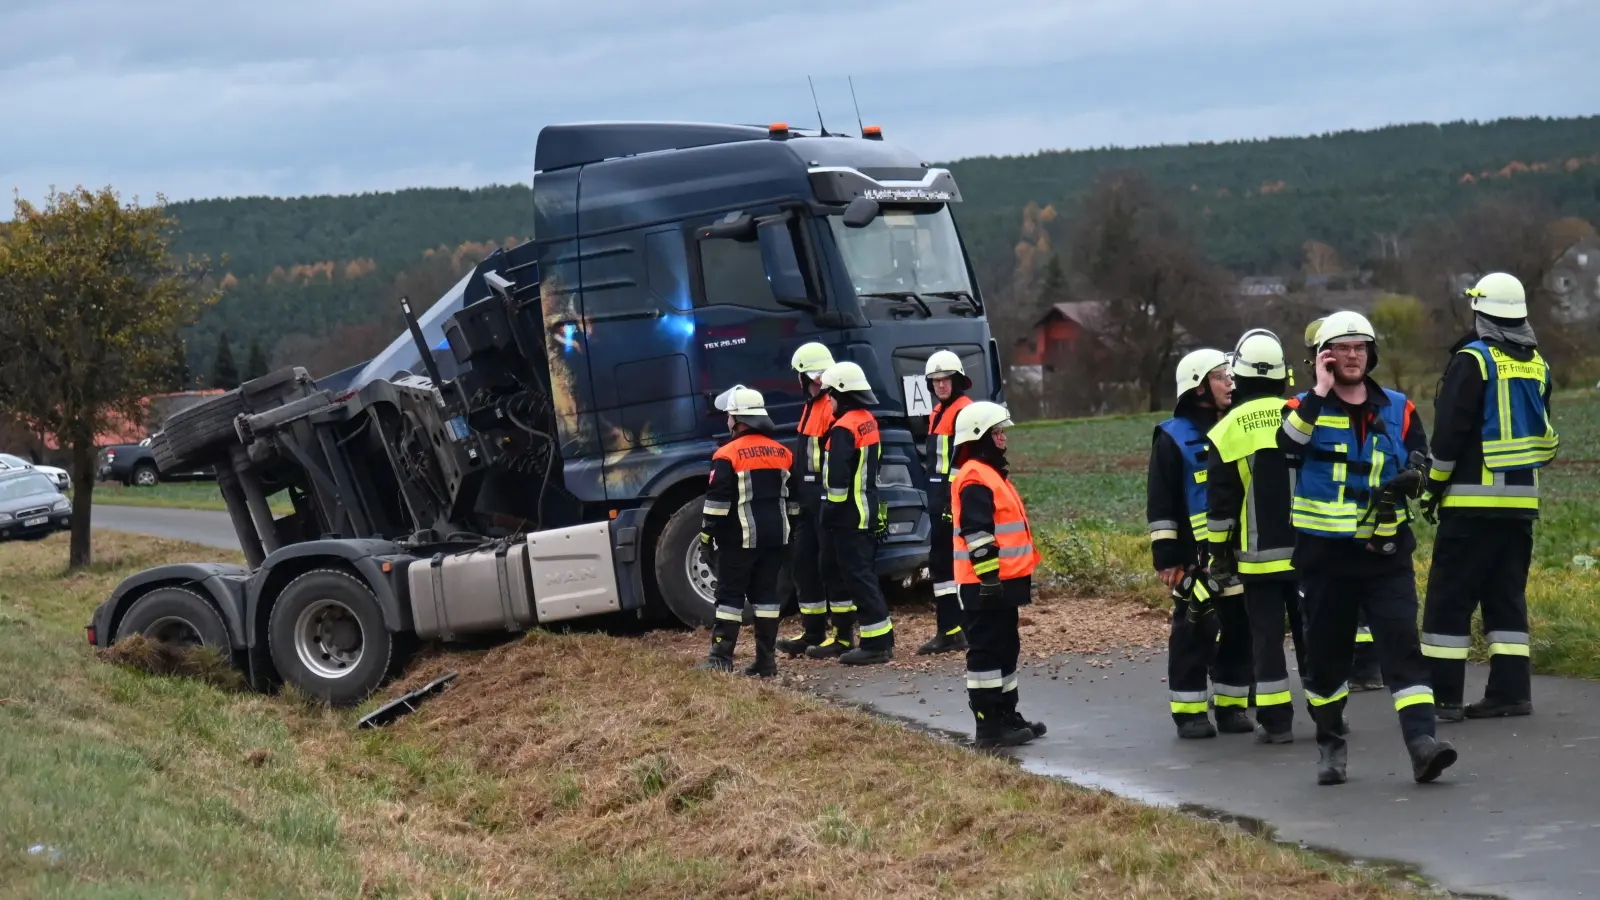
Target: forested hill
[{"x": 307, "y": 270}]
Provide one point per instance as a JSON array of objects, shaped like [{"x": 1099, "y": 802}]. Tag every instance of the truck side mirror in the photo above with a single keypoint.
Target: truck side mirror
[
  {"x": 860, "y": 212},
  {"x": 736, "y": 226},
  {"x": 782, "y": 264}
]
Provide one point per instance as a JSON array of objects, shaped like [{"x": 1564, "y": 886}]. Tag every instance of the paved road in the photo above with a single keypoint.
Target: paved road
[
  {"x": 205, "y": 527},
  {"x": 1518, "y": 816}
]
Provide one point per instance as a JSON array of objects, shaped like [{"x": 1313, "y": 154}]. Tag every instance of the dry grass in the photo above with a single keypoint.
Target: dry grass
[
  {"x": 155, "y": 658},
  {"x": 637, "y": 776}
]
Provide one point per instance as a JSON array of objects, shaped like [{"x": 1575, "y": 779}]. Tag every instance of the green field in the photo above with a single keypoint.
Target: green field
[
  {"x": 1084, "y": 483},
  {"x": 173, "y": 495}
]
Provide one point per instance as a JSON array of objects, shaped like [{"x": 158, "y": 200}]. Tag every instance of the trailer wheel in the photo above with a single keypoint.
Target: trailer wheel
[
  {"x": 327, "y": 638},
  {"x": 177, "y": 616}
]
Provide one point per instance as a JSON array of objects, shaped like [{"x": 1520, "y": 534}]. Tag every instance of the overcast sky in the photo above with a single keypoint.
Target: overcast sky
[{"x": 201, "y": 98}]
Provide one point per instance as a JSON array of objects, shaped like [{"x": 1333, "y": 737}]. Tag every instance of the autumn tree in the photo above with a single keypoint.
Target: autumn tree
[
  {"x": 1132, "y": 255},
  {"x": 90, "y": 301}
]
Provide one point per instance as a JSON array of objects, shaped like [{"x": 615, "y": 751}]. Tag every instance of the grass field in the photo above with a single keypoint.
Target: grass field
[
  {"x": 174, "y": 495},
  {"x": 580, "y": 766},
  {"x": 1084, "y": 483}
]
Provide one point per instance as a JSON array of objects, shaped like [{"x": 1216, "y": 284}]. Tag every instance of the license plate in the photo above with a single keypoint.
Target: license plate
[{"x": 41, "y": 520}]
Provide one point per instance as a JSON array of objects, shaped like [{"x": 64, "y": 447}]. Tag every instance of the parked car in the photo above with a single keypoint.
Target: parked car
[
  {"x": 31, "y": 506},
  {"x": 135, "y": 465},
  {"x": 59, "y": 476}
]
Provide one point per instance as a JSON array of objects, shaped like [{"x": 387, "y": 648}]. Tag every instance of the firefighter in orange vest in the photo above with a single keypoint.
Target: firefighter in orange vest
[
  {"x": 806, "y": 487},
  {"x": 994, "y": 563},
  {"x": 851, "y": 523},
  {"x": 949, "y": 383},
  {"x": 746, "y": 530}
]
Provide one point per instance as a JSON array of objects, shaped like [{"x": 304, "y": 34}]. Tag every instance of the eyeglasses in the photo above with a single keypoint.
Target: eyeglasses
[{"x": 1350, "y": 349}]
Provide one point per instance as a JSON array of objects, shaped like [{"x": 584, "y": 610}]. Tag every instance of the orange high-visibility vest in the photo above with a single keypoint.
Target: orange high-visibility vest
[{"x": 1011, "y": 535}]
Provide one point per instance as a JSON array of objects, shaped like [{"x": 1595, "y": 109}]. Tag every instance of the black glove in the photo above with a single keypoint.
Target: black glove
[
  {"x": 949, "y": 516},
  {"x": 990, "y": 593},
  {"x": 1199, "y": 591},
  {"x": 708, "y": 552},
  {"x": 1431, "y": 499},
  {"x": 880, "y": 526}
]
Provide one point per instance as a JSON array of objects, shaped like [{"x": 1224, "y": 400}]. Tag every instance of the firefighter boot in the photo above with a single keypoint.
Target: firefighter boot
[
  {"x": 1332, "y": 751},
  {"x": 723, "y": 636},
  {"x": 868, "y": 656},
  {"x": 1429, "y": 757},
  {"x": 943, "y": 643},
  {"x": 1197, "y": 728},
  {"x": 994, "y": 729},
  {"x": 1489, "y": 708},
  {"x": 797, "y": 646},
  {"x": 766, "y": 663},
  {"x": 1233, "y": 720},
  {"x": 840, "y": 642},
  {"x": 1016, "y": 718}
]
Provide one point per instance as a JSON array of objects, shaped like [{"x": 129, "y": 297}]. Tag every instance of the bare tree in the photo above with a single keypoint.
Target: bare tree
[{"x": 1132, "y": 254}]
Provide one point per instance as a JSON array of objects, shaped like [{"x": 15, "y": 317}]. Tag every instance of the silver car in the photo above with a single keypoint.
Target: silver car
[{"x": 31, "y": 507}]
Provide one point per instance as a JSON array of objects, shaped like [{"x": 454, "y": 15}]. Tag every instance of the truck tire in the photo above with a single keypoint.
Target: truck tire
[
  {"x": 688, "y": 589},
  {"x": 145, "y": 474},
  {"x": 175, "y": 615},
  {"x": 193, "y": 435},
  {"x": 326, "y": 637}
]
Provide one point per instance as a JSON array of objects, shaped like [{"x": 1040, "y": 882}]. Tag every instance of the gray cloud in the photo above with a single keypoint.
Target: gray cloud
[{"x": 186, "y": 98}]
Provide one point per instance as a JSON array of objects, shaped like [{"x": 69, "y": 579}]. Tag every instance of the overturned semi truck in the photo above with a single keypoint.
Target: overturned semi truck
[{"x": 534, "y": 448}]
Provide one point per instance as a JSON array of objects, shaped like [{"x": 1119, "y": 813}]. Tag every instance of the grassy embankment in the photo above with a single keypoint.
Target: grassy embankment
[
  {"x": 572, "y": 766},
  {"x": 1084, "y": 482},
  {"x": 174, "y": 495}
]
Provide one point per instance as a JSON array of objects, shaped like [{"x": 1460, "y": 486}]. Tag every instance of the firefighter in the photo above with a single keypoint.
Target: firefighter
[
  {"x": 1364, "y": 675},
  {"x": 1248, "y": 490},
  {"x": 852, "y": 521},
  {"x": 746, "y": 530},
  {"x": 1353, "y": 547},
  {"x": 1492, "y": 435},
  {"x": 949, "y": 383},
  {"x": 994, "y": 563},
  {"x": 1175, "y": 505},
  {"x": 811, "y": 589}
]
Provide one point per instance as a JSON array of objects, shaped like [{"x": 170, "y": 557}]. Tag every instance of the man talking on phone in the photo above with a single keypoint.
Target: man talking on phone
[{"x": 1353, "y": 547}]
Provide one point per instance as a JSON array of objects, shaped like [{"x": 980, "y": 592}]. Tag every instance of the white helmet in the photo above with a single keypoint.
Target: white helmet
[
  {"x": 1311, "y": 334},
  {"x": 975, "y": 419},
  {"x": 1193, "y": 368},
  {"x": 1501, "y": 295},
  {"x": 811, "y": 358},
  {"x": 742, "y": 401},
  {"x": 1346, "y": 327},
  {"x": 1259, "y": 354},
  {"x": 848, "y": 378},
  {"x": 943, "y": 364}
]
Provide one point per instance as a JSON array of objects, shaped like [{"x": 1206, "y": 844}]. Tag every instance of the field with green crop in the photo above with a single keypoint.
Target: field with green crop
[
  {"x": 1084, "y": 483},
  {"x": 176, "y": 495}
]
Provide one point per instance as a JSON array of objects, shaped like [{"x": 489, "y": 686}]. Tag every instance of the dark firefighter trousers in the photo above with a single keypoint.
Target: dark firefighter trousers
[
  {"x": 850, "y": 557},
  {"x": 1332, "y": 604},
  {"x": 942, "y": 568},
  {"x": 1268, "y": 603},
  {"x": 994, "y": 646},
  {"x": 1479, "y": 561},
  {"x": 810, "y": 587},
  {"x": 1218, "y": 646},
  {"x": 747, "y": 575}
]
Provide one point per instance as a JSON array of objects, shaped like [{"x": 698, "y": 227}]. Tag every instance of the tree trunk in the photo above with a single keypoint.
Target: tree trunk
[{"x": 82, "y": 502}]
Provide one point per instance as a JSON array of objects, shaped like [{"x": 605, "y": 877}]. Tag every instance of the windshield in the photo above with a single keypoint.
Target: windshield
[
  {"x": 18, "y": 462},
  {"x": 25, "y": 486},
  {"x": 903, "y": 249}
]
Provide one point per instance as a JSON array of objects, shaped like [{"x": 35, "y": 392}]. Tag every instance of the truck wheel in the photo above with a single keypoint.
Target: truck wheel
[
  {"x": 327, "y": 637},
  {"x": 177, "y": 616},
  {"x": 687, "y": 587},
  {"x": 145, "y": 474},
  {"x": 192, "y": 435}
]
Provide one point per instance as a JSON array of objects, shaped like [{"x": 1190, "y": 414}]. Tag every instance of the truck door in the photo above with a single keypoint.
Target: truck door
[{"x": 756, "y": 299}]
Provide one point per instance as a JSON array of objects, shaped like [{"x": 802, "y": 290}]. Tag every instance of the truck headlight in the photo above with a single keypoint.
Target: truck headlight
[{"x": 894, "y": 475}]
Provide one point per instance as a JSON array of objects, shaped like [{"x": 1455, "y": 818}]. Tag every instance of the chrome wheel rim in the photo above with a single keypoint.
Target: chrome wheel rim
[{"x": 328, "y": 639}]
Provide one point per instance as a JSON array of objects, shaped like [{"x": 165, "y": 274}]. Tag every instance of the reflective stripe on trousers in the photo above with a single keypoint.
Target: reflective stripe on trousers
[
  {"x": 1508, "y": 643},
  {"x": 1445, "y": 646},
  {"x": 1235, "y": 695},
  {"x": 1189, "y": 702},
  {"x": 1413, "y": 695},
  {"x": 1273, "y": 693}
]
